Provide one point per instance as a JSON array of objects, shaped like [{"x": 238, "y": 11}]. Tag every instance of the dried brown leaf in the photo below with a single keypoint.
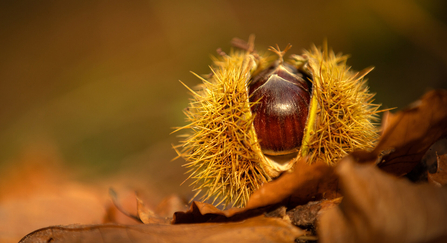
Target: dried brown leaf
[
  {"x": 378, "y": 207},
  {"x": 407, "y": 135},
  {"x": 440, "y": 177},
  {"x": 171, "y": 204},
  {"x": 306, "y": 183},
  {"x": 259, "y": 229},
  {"x": 134, "y": 206},
  {"x": 147, "y": 216},
  {"x": 200, "y": 212},
  {"x": 125, "y": 205}
]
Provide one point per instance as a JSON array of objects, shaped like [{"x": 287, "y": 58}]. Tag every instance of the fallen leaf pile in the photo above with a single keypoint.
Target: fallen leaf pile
[{"x": 366, "y": 197}]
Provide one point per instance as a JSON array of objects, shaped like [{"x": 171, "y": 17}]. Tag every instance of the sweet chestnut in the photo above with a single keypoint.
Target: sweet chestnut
[{"x": 281, "y": 98}]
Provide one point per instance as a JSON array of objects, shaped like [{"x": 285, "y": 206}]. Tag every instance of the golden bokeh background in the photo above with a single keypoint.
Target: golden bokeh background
[{"x": 94, "y": 84}]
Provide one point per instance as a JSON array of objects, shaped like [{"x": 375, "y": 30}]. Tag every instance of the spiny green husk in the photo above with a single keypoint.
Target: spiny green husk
[{"x": 224, "y": 158}]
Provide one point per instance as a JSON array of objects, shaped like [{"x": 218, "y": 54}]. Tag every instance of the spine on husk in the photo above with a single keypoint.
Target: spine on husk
[{"x": 225, "y": 160}]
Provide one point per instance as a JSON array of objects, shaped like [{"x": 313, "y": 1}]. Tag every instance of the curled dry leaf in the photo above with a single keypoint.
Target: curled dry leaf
[
  {"x": 378, "y": 207},
  {"x": 170, "y": 205},
  {"x": 134, "y": 206},
  {"x": 439, "y": 178},
  {"x": 126, "y": 207},
  {"x": 164, "y": 211},
  {"x": 430, "y": 159},
  {"x": 259, "y": 229},
  {"x": 306, "y": 183},
  {"x": 407, "y": 135},
  {"x": 147, "y": 216},
  {"x": 200, "y": 212}
]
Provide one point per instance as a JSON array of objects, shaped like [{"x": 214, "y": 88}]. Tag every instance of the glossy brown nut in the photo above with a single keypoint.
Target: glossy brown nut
[{"x": 281, "y": 95}]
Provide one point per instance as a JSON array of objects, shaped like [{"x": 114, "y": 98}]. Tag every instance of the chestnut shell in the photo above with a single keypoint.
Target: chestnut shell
[{"x": 281, "y": 97}]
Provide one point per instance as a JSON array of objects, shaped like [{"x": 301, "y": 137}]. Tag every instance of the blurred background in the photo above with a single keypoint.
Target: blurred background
[{"x": 92, "y": 86}]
